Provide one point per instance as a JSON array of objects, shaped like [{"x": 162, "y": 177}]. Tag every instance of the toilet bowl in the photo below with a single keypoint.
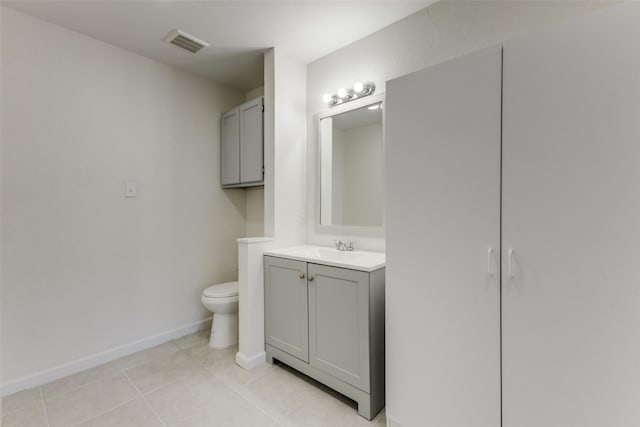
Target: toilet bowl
[{"x": 222, "y": 301}]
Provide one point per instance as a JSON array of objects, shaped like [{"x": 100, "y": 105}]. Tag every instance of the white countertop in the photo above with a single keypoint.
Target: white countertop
[{"x": 355, "y": 260}]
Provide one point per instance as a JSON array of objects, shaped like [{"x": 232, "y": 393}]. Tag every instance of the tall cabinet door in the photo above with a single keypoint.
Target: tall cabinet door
[
  {"x": 571, "y": 216},
  {"x": 286, "y": 306},
  {"x": 251, "y": 128},
  {"x": 230, "y": 147},
  {"x": 339, "y": 323},
  {"x": 442, "y": 190}
]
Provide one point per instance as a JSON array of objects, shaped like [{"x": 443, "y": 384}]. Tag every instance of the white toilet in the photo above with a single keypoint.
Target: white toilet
[{"x": 222, "y": 301}]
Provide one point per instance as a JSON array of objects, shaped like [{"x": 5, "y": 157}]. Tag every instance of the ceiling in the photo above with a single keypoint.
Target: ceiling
[{"x": 238, "y": 31}]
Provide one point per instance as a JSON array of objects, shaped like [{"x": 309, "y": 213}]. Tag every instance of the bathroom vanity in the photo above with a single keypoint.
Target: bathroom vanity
[{"x": 324, "y": 316}]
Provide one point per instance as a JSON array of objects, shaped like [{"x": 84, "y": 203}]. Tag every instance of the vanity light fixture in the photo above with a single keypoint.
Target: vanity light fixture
[{"x": 359, "y": 90}]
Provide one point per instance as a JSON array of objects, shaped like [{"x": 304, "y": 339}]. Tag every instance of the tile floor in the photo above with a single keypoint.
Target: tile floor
[{"x": 182, "y": 383}]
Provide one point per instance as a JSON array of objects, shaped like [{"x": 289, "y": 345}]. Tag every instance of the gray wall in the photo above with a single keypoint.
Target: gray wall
[{"x": 84, "y": 269}]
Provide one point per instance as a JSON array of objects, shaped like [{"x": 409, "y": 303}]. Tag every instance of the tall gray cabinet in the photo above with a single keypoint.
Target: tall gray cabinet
[
  {"x": 514, "y": 292},
  {"x": 242, "y": 145},
  {"x": 328, "y": 322}
]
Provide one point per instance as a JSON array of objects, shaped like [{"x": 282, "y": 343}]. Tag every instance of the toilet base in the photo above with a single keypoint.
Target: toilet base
[{"x": 224, "y": 330}]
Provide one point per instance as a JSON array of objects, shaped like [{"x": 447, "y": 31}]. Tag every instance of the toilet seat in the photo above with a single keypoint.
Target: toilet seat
[{"x": 222, "y": 290}]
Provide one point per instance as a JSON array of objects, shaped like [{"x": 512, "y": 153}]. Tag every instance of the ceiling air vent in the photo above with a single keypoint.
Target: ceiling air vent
[{"x": 185, "y": 41}]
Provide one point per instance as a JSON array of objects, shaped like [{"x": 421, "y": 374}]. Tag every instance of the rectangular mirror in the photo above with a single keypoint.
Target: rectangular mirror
[{"x": 351, "y": 163}]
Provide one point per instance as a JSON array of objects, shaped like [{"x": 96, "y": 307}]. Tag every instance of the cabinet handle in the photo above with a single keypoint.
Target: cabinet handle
[
  {"x": 509, "y": 262},
  {"x": 302, "y": 275},
  {"x": 489, "y": 263},
  {"x": 311, "y": 278}
]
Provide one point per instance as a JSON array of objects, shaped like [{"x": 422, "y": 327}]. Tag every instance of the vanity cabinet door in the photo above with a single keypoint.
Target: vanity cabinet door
[
  {"x": 286, "y": 310},
  {"x": 339, "y": 323}
]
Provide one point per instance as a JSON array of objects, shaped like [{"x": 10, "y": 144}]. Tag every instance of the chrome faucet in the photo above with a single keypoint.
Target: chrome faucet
[{"x": 344, "y": 246}]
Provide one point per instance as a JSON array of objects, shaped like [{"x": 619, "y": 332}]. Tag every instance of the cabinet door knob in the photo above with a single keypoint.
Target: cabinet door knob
[
  {"x": 311, "y": 278},
  {"x": 302, "y": 275}
]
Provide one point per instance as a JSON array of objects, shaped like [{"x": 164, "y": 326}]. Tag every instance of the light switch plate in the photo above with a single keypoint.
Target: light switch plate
[{"x": 130, "y": 189}]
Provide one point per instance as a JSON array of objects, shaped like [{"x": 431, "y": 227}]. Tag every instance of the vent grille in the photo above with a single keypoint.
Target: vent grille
[{"x": 185, "y": 41}]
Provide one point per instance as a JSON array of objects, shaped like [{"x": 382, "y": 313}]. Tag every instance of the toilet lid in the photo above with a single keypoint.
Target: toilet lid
[{"x": 229, "y": 289}]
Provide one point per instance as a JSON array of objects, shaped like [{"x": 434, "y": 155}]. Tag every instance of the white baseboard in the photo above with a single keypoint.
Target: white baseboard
[
  {"x": 60, "y": 371},
  {"x": 249, "y": 363}
]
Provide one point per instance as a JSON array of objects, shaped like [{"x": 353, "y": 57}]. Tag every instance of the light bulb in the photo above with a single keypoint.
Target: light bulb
[
  {"x": 358, "y": 87},
  {"x": 326, "y": 98},
  {"x": 342, "y": 93}
]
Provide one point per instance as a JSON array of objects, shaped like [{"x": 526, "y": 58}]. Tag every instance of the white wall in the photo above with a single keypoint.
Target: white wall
[
  {"x": 444, "y": 30},
  {"x": 285, "y": 148},
  {"x": 84, "y": 268},
  {"x": 255, "y": 195},
  {"x": 255, "y": 211},
  {"x": 254, "y": 93}
]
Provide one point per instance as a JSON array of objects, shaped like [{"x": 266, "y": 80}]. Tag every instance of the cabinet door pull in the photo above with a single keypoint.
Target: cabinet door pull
[
  {"x": 311, "y": 278},
  {"x": 509, "y": 262},
  {"x": 302, "y": 275},
  {"x": 489, "y": 263}
]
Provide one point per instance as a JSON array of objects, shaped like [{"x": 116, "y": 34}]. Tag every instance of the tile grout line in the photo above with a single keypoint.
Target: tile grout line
[
  {"x": 99, "y": 414},
  {"x": 62, "y": 393},
  {"x": 44, "y": 407},
  {"x": 238, "y": 390},
  {"x": 143, "y": 398},
  {"x": 115, "y": 362}
]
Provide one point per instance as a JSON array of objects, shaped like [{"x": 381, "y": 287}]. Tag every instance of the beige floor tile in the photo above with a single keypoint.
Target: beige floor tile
[
  {"x": 222, "y": 364},
  {"x": 149, "y": 354},
  {"x": 279, "y": 392},
  {"x": 193, "y": 339},
  {"x": 80, "y": 379},
  {"x": 86, "y": 402},
  {"x": 135, "y": 413},
  {"x": 20, "y": 400},
  {"x": 235, "y": 376},
  {"x": 161, "y": 371},
  {"x": 237, "y": 414},
  {"x": 189, "y": 397},
  {"x": 325, "y": 410},
  {"x": 28, "y": 416},
  {"x": 209, "y": 357}
]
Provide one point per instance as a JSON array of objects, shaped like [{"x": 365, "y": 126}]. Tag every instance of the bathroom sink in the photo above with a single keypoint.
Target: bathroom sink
[
  {"x": 356, "y": 260},
  {"x": 332, "y": 254}
]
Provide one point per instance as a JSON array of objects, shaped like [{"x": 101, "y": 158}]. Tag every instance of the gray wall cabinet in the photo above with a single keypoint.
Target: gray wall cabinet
[
  {"x": 242, "y": 145},
  {"x": 328, "y": 323}
]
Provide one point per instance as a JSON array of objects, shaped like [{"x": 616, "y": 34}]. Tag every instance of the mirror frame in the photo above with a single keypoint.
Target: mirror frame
[{"x": 350, "y": 230}]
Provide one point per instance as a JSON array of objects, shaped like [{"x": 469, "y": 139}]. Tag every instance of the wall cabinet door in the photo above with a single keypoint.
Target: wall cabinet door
[
  {"x": 442, "y": 195},
  {"x": 286, "y": 310},
  {"x": 339, "y": 323},
  {"x": 251, "y": 137},
  {"x": 230, "y": 147},
  {"x": 242, "y": 145},
  {"x": 571, "y": 214}
]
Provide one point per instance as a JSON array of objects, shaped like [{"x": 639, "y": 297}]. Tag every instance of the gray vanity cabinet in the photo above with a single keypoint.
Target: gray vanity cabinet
[
  {"x": 328, "y": 322},
  {"x": 286, "y": 307}
]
